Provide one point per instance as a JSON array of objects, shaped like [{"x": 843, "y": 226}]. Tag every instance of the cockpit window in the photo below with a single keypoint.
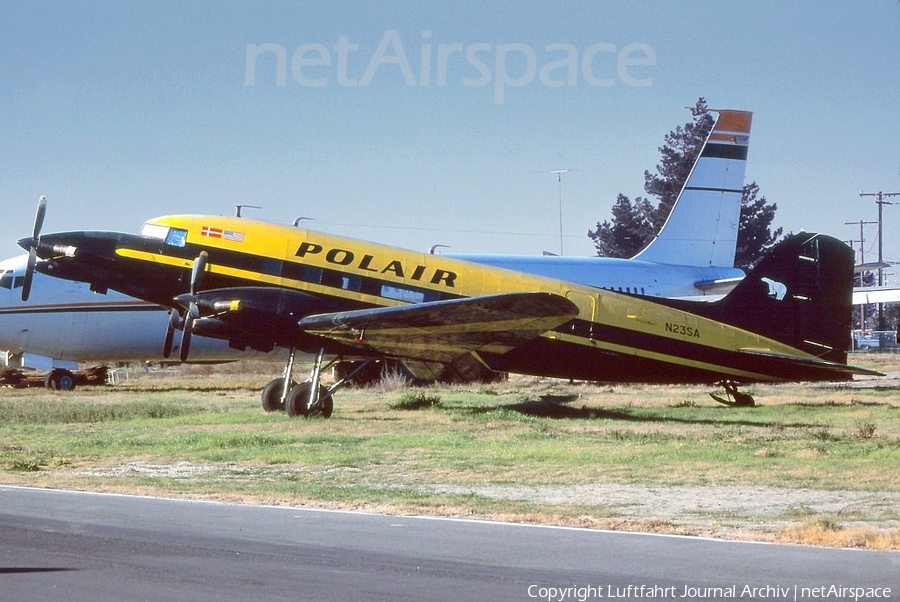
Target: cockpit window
[
  {"x": 155, "y": 231},
  {"x": 10, "y": 281},
  {"x": 175, "y": 237}
]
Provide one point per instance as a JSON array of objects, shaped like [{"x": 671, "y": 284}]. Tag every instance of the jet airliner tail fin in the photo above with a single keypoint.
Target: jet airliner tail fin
[{"x": 702, "y": 228}]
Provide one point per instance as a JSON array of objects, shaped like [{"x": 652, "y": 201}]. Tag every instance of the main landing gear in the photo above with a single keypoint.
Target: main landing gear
[
  {"x": 734, "y": 397},
  {"x": 309, "y": 398},
  {"x": 60, "y": 380}
]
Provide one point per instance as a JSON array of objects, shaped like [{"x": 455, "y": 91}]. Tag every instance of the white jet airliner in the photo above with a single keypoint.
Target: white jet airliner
[{"x": 64, "y": 323}]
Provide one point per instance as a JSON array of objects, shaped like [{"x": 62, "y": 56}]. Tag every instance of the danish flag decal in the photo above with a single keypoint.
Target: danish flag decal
[{"x": 223, "y": 234}]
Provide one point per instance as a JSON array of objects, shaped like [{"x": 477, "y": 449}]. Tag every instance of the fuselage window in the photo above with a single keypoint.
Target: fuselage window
[
  {"x": 271, "y": 267},
  {"x": 361, "y": 284},
  {"x": 351, "y": 283},
  {"x": 311, "y": 274},
  {"x": 402, "y": 294}
]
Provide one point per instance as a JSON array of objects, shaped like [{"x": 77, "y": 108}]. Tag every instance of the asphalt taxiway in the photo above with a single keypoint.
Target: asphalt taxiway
[{"x": 72, "y": 546}]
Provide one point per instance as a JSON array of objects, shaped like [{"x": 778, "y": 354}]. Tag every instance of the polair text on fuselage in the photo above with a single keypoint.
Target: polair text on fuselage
[{"x": 370, "y": 263}]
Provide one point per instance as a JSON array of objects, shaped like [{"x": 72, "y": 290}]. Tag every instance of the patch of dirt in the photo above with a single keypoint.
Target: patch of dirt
[
  {"x": 732, "y": 512},
  {"x": 709, "y": 510}
]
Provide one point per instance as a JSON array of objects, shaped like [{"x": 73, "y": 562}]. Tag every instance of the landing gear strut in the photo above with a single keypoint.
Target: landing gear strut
[
  {"x": 309, "y": 398},
  {"x": 734, "y": 397},
  {"x": 60, "y": 380}
]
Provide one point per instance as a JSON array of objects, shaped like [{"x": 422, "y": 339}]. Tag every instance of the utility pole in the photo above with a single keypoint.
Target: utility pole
[
  {"x": 879, "y": 199},
  {"x": 862, "y": 261},
  {"x": 558, "y": 173}
]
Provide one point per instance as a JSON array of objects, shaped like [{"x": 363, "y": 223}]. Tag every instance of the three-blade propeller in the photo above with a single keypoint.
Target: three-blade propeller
[
  {"x": 192, "y": 312},
  {"x": 32, "y": 247},
  {"x": 185, "y": 323}
]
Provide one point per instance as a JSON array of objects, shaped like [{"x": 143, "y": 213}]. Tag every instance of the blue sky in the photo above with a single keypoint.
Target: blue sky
[{"x": 122, "y": 111}]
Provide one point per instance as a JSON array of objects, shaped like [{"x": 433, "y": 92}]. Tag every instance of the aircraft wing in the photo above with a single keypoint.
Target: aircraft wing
[{"x": 445, "y": 331}]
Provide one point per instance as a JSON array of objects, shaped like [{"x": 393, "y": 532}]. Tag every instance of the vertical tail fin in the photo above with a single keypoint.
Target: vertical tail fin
[
  {"x": 702, "y": 228},
  {"x": 799, "y": 294}
]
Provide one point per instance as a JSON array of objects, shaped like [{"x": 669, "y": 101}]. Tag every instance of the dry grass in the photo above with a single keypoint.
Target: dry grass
[
  {"x": 813, "y": 464},
  {"x": 829, "y": 533}
]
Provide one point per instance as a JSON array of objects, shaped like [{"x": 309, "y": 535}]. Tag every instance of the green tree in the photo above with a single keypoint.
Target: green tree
[
  {"x": 755, "y": 236},
  {"x": 635, "y": 223},
  {"x": 677, "y": 158},
  {"x": 629, "y": 231}
]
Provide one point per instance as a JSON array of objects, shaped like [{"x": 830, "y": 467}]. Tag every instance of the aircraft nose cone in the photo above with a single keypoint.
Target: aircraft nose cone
[
  {"x": 184, "y": 299},
  {"x": 50, "y": 245}
]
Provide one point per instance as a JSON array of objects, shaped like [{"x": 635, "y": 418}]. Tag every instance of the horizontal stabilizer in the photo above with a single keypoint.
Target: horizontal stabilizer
[
  {"x": 811, "y": 362},
  {"x": 720, "y": 286}
]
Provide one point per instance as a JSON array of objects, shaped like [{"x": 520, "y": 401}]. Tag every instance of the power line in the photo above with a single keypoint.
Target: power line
[
  {"x": 861, "y": 240},
  {"x": 880, "y": 196},
  {"x": 862, "y": 261}
]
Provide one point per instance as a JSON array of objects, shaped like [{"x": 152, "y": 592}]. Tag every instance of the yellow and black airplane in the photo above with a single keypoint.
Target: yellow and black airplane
[{"x": 263, "y": 286}]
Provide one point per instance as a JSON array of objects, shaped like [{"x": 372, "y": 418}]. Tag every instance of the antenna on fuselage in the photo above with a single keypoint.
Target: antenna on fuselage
[
  {"x": 435, "y": 247},
  {"x": 300, "y": 219},
  {"x": 237, "y": 209}
]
